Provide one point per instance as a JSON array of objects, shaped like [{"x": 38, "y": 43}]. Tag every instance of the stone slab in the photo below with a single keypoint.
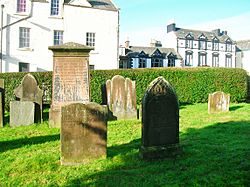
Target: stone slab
[
  {"x": 22, "y": 113},
  {"x": 218, "y": 102}
]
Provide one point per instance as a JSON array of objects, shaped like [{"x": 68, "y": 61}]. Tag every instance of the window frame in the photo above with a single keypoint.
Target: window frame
[
  {"x": 54, "y": 7},
  {"x": 155, "y": 61},
  {"x": 202, "y": 59},
  {"x": 24, "y": 37},
  {"x": 91, "y": 39},
  {"x": 202, "y": 42},
  {"x": 20, "y": 68},
  {"x": 21, "y": 6},
  {"x": 228, "y": 61},
  {"x": 215, "y": 44},
  {"x": 58, "y": 37},
  {"x": 215, "y": 60},
  {"x": 229, "y": 45},
  {"x": 142, "y": 62},
  {"x": 189, "y": 40},
  {"x": 189, "y": 61}
]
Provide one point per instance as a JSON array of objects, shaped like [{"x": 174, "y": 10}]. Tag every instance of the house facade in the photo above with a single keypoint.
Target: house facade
[
  {"x": 202, "y": 48},
  {"x": 30, "y": 27},
  {"x": 148, "y": 57},
  {"x": 243, "y": 54}
]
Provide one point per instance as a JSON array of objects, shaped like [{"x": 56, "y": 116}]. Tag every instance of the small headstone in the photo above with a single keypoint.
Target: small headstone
[
  {"x": 121, "y": 97},
  {"x": 83, "y": 133},
  {"x": 22, "y": 113},
  {"x": 28, "y": 90},
  {"x": 160, "y": 121},
  {"x": 218, "y": 102},
  {"x": 1, "y": 102}
]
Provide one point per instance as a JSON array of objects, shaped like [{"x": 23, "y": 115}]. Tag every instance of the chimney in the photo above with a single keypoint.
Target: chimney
[
  {"x": 127, "y": 44},
  {"x": 217, "y": 32},
  {"x": 155, "y": 43},
  {"x": 171, "y": 27}
]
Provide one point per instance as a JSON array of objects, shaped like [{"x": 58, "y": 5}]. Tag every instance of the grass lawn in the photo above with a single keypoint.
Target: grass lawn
[{"x": 215, "y": 152}]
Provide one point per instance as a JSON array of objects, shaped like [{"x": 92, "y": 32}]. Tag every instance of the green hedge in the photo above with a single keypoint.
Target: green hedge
[{"x": 192, "y": 85}]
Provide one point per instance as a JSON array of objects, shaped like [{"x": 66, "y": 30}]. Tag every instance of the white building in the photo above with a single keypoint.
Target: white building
[
  {"x": 202, "y": 48},
  {"x": 31, "y": 26},
  {"x": 148, "y": 57},
  {"x": 243, "y": 54}
]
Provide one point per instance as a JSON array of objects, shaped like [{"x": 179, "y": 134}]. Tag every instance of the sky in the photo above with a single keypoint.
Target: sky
[{"x": 143, "y": 20}]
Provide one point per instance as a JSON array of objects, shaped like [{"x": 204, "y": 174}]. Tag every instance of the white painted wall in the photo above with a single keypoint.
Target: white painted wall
[
  {"x": 75, "y": 21},
  {"x": 246, "y": 60}
]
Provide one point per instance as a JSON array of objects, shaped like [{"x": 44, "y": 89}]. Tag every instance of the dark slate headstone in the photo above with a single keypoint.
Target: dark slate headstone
[
  {"x": 83, "y": 133},
  {"x": 28, "y": 90},
  {"x": 22, "y": 113},
  {"x": 218, "y": 102},
  {"x": 160, "y": 121},
  {"x": 121, "y": 97},
  {"x": 1, "y": 102}
]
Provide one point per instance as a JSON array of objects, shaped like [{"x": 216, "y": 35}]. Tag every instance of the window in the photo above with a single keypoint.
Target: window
[
  {"x": 229, "y": 45},
  {"x": 189, "y": 41},
  {"x": 24, "y": 67},
  {"x": 215, "y": 60},
  {"x": 215, "y": 44},
  {"x": 202, "y": 59},
  {"x": 21, "y": 5},
  {"x": 54, "y": 9},
  {"x": 157, "y": 62},
  {"x": 58, "y": 37},
  {"x": 142, "y": 62},
  {"x": 90, "y": 39},
  {"x": 228, "y": 63},
  {"x": 171, "y": 62},
  {"x": 189, "y": 58},
  {"x": 202, "y": 42},
  {"x": 24, "y": 37}
]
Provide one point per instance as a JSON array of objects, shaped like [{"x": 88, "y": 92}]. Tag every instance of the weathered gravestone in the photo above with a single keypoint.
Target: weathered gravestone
[
  {"x": 160, "y": 121},
  {"x": 28, "y": 109},
  {"x": 218, "y": 102},
  {"x": 83, "y": 133},
  {"x": 1, "y": 102},
  {"x": 121, "y": 97},
  {"x": 70, "y": 78},
  {"x": 22, "y": 113}
]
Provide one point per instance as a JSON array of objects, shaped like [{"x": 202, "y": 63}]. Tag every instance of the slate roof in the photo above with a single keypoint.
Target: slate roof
[
  {"x": 210, "y": 35},
  {"x": 100, "y": 4},
  {"x": 243, "y": 44},
  {"x": 135, "y": 51}
]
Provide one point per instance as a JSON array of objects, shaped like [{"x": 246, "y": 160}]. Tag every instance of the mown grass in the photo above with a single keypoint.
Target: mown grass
[{"x": 215, "y": 152}]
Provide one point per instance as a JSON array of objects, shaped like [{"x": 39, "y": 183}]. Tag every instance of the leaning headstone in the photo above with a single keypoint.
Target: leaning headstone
[
  {"x": 1, "y": 102},
  {"x": 22, "y": 113},
  {"x": 121, "y": 97},
  {"x": 83, "y": 133},
  {"x": 28, "y": 90},
  {"x": 218, "y": 102},
  {"x": 160, "y": 121},
  {"x": 70, "y": 78}
]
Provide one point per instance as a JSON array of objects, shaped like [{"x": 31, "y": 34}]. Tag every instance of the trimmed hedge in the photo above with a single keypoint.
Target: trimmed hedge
[{"x": 192, "y": 85}]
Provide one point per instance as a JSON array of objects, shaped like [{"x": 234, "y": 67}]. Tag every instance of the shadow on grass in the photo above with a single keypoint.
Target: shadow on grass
[
  {"x": 233, "y": 108},
  {"x": 18, "y": 143},
  {"x": 217, "y": 155}
]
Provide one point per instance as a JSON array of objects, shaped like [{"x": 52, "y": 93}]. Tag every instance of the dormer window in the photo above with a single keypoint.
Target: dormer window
[
  {"x": 215, "y": 44},
  {"x": 228, "y": 45},
  {"x": 202, "y": 42},
  {"x": 189, "y": 41},
  {"x": 54, "y": 9},
  {"x": 21, "y": 5}
]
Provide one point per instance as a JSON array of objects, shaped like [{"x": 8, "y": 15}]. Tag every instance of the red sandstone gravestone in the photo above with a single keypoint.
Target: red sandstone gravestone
[{"x": 70, "y": 78}]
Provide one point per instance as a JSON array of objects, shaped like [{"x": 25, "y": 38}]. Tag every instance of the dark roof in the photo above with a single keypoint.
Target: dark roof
[
  {"x": 135, "y": 51},
  {"x": 100, "y": 4},
  {"x": 210, "y": 35},
  {"x": 243, "y": 44}
]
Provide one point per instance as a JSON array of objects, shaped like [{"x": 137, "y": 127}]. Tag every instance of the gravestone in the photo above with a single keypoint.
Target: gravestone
[
  {"x": 22, "y": 113},
  {"x": 121, "y": 97},
  {"x": 218, "y": 102},
  {"x": 28, "y": 90},
  {"x": 160, "y": 121},
  {"x": 70, "y": 78},
  {"x": 1, "y": 102},
  {"x": 83, "y": 133}
]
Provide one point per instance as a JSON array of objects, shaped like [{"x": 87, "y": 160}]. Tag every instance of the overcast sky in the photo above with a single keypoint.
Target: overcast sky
[{"x": 143, "y": 20}]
